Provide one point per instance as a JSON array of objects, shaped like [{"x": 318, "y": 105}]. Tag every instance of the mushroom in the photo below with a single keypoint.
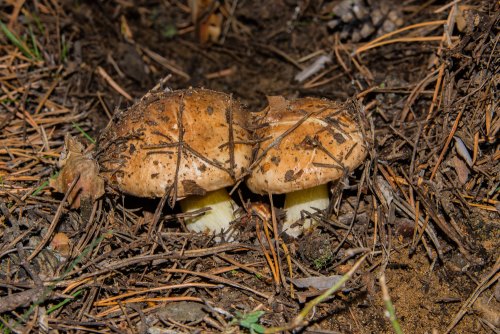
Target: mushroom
[
  {"x": 186, "y": 144},
  {"x": 305, "y": 143}
]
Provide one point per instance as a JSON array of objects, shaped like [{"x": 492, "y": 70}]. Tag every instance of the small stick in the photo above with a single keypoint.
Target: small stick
[
  {"x": 47, "y": 94},
  {"x": 113, "y": 83},
  {"x": 180, "y": 149},
  {"x": 280, "y": 53},
  {"x": 113, "y": 300},
  {"x": 55, "y": 220},
  {"x": 447, "y": 143},
  {"x": 299, "y": 320},
  {"x": 415, "y": 92},
  {"x": 245, "y": 267},
  {"x": 404, "y": 40},
  {"x": 395, "y": 32},
  {"x": 266, "y": 254},
  {"x": 290, "y": 269},
  {"x": 165, "y": 63},
  {"x": 229, "y": 121},
  {"x": 15, "y": 13},
  {"x": 219, "y": 280},
  {"x": 489, "y": 280},
  {"x": 272, "y": 247}
]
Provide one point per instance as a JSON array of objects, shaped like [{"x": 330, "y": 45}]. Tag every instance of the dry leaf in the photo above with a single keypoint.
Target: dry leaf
[
  {"x": 90, "y": 185},
  {"x": 385, "y": 190},
  {"x": 61, "y": 244},
  {"x": 211, "y": 29},
  {"x": 208, "y": 23},
  {"x": 461, "y": 169},
  {"x": 125, "y": 29},
  {"x": 462, "y": 150},
  {"x": 319, "y": 282},
  {"x": 460, "y": 20}
]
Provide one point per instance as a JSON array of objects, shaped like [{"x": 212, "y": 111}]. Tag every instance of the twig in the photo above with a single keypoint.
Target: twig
[
  {"x": 113, "y": 83},
  {"x": 55, "y": 220},
  {"x": 395, "y": 32},
  {"x": 401, "y": 40},
  {"x": 165, "y": 63},
  {"x": 447, "y": 143},
  {"x": 486, "y": 282},
  {"x": 299, "y": 321},
  {"x": 220, "y": 280}
]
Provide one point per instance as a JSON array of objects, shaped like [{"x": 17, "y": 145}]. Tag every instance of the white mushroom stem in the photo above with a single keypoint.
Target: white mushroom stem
[
  {"x": 303, "y": 200},
  {"x": 219, "y": 216}
]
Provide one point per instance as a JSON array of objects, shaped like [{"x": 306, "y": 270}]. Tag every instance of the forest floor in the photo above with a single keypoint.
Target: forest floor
[{"x": 418, "y": 222}]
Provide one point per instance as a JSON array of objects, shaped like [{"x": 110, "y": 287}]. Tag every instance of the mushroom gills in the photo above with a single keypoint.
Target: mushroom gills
[
  {"x": 219, "y": 216},
  {"x": 303, "y": 200}
]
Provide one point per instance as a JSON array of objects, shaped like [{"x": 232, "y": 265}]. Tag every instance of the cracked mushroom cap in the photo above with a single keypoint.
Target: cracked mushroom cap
[
  {"x": 310, "y": 141},
  {"x": 189, "y": 141}
]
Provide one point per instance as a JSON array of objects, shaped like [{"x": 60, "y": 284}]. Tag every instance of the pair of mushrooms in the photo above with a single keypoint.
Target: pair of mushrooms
[{"x": 191, "y": 144}]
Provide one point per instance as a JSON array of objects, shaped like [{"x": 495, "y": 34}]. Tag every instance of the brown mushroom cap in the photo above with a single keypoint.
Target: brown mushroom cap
[
  {"x": 193, "y": 140},
  {"x": 310, "y": 142}
]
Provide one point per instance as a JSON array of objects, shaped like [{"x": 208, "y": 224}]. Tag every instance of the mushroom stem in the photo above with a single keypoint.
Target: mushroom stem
[
  {"x": 219, "y": 216},
  {"x": 300, "y": 200}
]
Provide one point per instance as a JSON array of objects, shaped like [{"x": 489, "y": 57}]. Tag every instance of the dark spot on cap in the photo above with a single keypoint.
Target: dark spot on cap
[
  {"x": 202, "y": 168},
  {"x": 339, "y": 138},
  {"x": 164, "y": 118},
  {"x": 155, "y": 175},
  {"x": 191, "y": 188},
  {"x": 275, "y": 160},
  {"x": 155, "y": 162},
  {"x": 291, "y": 176},
  {"x": 151, "y": 122},
  {"x": 210, "y": 110},
  {"x": 131, "y": 149}
]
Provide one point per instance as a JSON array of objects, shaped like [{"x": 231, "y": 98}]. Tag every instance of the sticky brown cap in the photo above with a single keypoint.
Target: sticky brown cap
[
  {"x": 193, "y": 140},
  {"x": 307, "y": 142}
]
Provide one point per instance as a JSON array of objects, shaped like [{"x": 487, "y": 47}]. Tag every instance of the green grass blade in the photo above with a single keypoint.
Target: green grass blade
[
  {"x": 3, "y": 327},
  {"x": 43, "y": 185},
  {"x": 35, "y": 47},
  {"x": 85, "y": 134},
  {"x": 390, "y": 310},
  {"x": 298, "y": 321},
  {"x": 65, "y": 50},
  {"x": 38, "y": 23},
  {"x": 64, "y": 302},
  {"x": 16, "y": 41}
]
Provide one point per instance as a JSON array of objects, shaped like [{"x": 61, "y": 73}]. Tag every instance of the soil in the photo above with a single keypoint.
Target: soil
[{"x": 429, "y": 111}]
